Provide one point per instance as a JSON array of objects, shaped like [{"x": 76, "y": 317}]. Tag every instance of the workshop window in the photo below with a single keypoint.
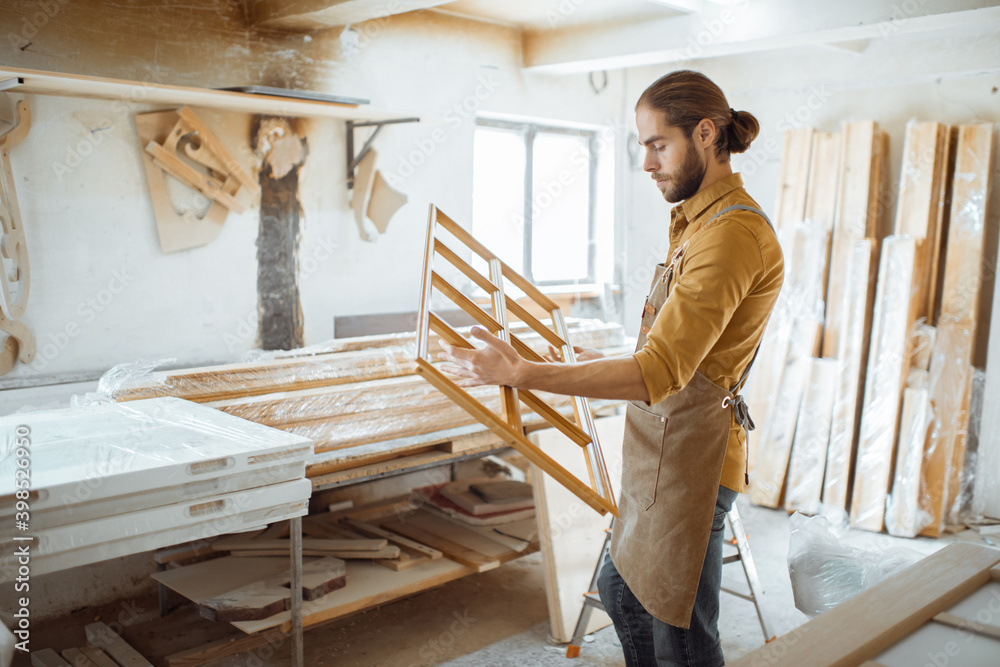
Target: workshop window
[{"x": 534, "y": 199}]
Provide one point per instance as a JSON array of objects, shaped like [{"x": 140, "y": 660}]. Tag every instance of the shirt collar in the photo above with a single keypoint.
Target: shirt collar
[{"x": 696, "y": 205}]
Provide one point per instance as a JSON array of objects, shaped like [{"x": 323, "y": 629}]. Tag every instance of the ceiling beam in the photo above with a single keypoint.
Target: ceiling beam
[
  {"x": 683, "y": 6},
  {"x": 744, "y": 27},
  {"x": 310, "y": 15}
]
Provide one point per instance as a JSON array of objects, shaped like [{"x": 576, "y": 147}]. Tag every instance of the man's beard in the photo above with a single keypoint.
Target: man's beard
[{"x": 686, "y": 180}]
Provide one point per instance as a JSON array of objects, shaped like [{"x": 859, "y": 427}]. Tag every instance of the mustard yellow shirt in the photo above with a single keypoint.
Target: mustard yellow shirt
[{"x": 725, "y": 285}]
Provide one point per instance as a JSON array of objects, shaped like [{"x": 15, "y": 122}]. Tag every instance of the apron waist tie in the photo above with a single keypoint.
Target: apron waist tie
[{"x": 741, "y": 412}]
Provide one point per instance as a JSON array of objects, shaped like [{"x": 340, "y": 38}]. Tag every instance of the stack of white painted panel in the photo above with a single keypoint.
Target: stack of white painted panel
[{"x": 118, "y": 479}]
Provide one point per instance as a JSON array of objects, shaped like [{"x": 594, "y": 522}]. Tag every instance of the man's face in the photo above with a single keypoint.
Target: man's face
[{"x": 672, "y": 159}]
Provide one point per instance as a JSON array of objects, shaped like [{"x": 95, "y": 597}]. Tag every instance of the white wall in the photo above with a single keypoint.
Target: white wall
[{"x": 199, "y": 306}]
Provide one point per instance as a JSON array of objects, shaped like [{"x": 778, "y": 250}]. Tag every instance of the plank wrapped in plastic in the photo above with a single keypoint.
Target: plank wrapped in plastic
[
  {"x": 342, "y": 361},
  {"x": 778, "y": 380},
  {"x": 852, "y": 365},
  {"x": 959, "y": 336},
  {"x": 899, "y": 302},
  {"x": 365, "y": 412}
]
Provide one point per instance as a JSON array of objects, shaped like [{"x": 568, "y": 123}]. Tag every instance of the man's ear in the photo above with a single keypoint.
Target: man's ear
[{"x": 705, "y": 132}]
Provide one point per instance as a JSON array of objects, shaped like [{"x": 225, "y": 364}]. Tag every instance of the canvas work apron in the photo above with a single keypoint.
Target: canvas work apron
[{"x": 672, "y": 460}]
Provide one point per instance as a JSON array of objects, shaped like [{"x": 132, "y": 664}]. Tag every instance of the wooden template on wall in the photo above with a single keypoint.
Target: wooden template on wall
[
  {"x": 598, "y": 493},
  {"x": 20, "y": 342},
  {"x": 166, "y": 136}
]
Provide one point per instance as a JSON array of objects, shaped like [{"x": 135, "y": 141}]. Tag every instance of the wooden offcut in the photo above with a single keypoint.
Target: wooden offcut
[
  {"x": 47, "y": 658},
  {"x": 97, "y": 656},
  {"x": 78, "y": 658},
  {"x": 898, "y": 304},
  {"x": 958, "y": 325},
  {"x": 457, "y": 552},
  {"x": 269, "y": 596},
  {"x": 106, "y": 639}
]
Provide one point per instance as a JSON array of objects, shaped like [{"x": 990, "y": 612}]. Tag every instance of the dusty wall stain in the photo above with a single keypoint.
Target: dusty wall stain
[{"x": 282, "y": 153}]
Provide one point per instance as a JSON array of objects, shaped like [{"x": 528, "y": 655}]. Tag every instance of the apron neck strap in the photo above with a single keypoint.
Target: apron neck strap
[{"x": 741, "y": 207}]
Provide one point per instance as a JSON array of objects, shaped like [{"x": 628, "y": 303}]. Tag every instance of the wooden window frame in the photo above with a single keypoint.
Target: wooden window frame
[{"x": 598, "y": 494}]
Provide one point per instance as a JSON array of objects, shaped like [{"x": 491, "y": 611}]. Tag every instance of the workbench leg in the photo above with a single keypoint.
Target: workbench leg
[
  {"x": 161, "y": 591},
  {"x": 298, "y": 657}
]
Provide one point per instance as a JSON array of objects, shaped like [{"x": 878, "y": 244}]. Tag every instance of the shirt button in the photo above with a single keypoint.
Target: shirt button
[{"x": 663, "y": 419}]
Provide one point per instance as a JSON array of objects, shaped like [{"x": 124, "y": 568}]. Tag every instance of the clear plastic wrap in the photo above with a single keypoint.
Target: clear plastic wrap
[
  {"x": 350, "y": 415},
  {"x": 336, "y": 362},
  {"x": 896, "y": 303},
  {"x": 113, "y": 479},
  {"x": 129, "y": 382},
  {"x": 826, "y": 569},
  {"x": 142, "y": 453},
  {"x": 337, "y": 399},
  {"x": 903, "y": 516},
  {"x": 958, "y": 325},
  {"x": 781, "y": 373},
  {"x": 812, "y": 435},
  {"x": 852, "y": 357}
]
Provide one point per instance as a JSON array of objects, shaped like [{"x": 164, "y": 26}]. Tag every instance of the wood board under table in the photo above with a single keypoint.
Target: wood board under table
[
  {"x": 368, "y": 583},
  {"x": 910, "y": 616}
]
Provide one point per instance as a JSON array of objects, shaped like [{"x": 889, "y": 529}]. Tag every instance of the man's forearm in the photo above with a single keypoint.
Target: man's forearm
[{"x": 614, "y": 378}]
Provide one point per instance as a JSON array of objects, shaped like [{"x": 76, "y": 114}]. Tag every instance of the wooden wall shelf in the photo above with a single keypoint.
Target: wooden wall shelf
[{"x": 140, "y": 92}]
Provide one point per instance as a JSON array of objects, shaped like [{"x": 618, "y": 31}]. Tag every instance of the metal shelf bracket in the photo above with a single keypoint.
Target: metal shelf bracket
[{"x": 354, "y": 160}]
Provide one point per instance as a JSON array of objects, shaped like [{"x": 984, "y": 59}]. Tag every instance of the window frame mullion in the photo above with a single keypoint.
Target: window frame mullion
[{"x": 529, "y": 201}]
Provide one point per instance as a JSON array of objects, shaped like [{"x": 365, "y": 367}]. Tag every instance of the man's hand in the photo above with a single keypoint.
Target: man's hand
[{"x": 497, "y": 363}]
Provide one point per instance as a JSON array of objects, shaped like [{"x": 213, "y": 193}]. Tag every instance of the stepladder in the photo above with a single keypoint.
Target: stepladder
[{"x": 737, "y": 539}]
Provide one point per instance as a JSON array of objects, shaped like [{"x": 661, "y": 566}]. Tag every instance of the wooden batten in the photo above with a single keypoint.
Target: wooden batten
[
  {"x": 897, "y": 307},
  {"x": 951, "y": 366},
  {"x": 824, "y": 170},
  {"x": 861, "y": 628},
  {"x": 859, "y": 211},
  {"x": 939, "y": 244},
  {"x": 852, "y": 364},
  {"x": 790, "y": 204},
  {"x": 812, "y": 436},
  {"x": 920, "y": 207},
  {"x": 821, "y": 197}
]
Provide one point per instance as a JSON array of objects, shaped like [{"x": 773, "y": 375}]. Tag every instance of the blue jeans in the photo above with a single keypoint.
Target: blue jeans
[{"x": 648, "y": 641}]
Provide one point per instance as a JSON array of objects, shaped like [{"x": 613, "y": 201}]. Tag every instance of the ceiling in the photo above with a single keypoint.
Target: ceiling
[
  {"x": 566, "y": 36},
  {"x": 535, "y": 15}
]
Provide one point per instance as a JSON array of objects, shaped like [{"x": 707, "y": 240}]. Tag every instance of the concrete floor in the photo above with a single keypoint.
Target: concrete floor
[{"x": 499, "y": 618}]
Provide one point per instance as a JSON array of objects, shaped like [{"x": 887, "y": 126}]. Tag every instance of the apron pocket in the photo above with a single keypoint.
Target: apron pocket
[{"x": 641, "y": 457}]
